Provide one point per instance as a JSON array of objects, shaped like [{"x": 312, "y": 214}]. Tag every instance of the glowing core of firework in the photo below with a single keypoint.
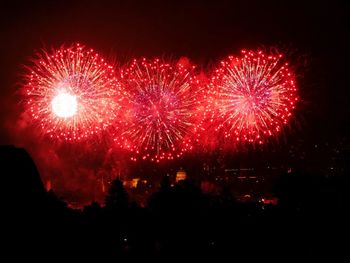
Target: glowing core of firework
[{"x": 64, "y": 105}]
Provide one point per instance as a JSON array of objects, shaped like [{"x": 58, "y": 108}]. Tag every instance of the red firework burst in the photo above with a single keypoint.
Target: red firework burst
[
  {"x": 253, "y": 96},
  {"x": 162, "y": 104},
  {"x": 72, "y": 93}
]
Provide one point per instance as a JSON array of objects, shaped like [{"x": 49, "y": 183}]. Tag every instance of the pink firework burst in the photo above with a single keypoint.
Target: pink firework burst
[
  {"x": 161, "y": 113},
  {"x": 71, "y": 93},
  {"x": 253, "y": 96}
]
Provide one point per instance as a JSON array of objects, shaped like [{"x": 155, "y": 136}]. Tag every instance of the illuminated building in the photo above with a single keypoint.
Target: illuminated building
[
  {"x": 131, "y": 183},
  {"x": 180, "y": 175}
]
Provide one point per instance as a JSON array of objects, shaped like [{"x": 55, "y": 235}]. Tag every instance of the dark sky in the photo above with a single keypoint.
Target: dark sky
[{"x": 314, "y": 33}]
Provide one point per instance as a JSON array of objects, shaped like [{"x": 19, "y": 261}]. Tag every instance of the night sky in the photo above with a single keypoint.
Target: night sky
[{"x": 313, "y": 34}]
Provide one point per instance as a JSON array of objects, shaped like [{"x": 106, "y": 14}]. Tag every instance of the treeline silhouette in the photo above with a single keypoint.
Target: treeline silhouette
[{"x": 180, "y": 222}]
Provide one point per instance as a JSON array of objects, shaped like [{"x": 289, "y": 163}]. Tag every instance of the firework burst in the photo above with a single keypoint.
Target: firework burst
[
  {"x": 253, "y": 97},
  {"x": 71, "y": 93},
  {"x": 163, "y": 100}
]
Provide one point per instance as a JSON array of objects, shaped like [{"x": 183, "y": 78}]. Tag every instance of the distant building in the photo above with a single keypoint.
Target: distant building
[
  {"x": 131, "y": 183},
  {"x": 180, "y": 175}
]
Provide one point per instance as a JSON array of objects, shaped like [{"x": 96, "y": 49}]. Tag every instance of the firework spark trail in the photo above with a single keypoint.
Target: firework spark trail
[
  {"x": 72, "y": 93},
  {"x": 158, "y": 110},
  {"x": 252, "y": 96},
  {"x": 161, "y": 115}
]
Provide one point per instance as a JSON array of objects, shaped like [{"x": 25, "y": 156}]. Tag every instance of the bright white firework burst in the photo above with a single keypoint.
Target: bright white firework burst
[
  {"x": 72, "y": 93},
  {"x": 64, "y": 105}
]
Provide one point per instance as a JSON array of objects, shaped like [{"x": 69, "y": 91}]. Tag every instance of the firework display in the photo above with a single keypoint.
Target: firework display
[
  {"x": 252, "y": 97},
  {"x": 162, "y": 105},
  {"x": 72, "y": 93},
  {"x": 158, "y": 110}
]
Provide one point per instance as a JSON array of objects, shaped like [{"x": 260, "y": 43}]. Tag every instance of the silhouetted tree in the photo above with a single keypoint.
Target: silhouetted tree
[
  {"x": 117, "y": 197},
  {"x": 93, "y": 210},
  {"x": 165, "y": 183}
]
